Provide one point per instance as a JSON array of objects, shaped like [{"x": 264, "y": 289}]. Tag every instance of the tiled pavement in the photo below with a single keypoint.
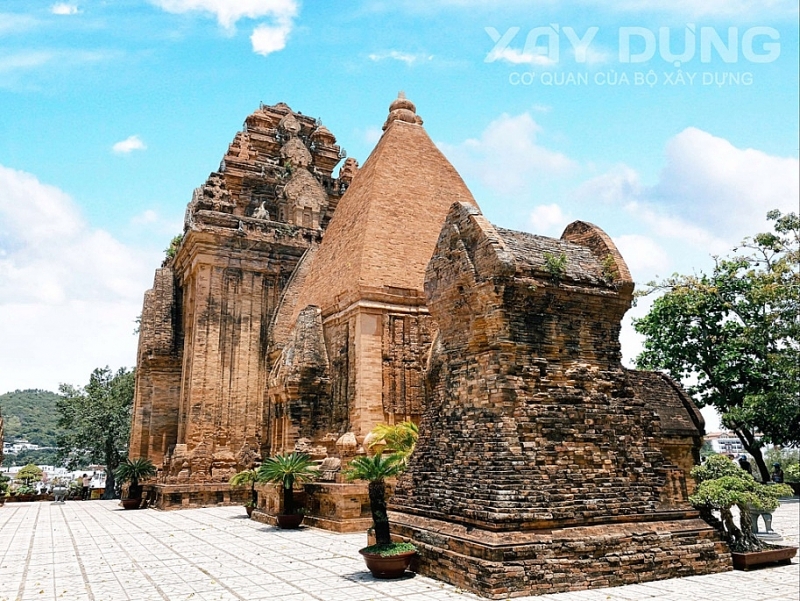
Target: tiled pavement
[{"x": 94, "y": 551}]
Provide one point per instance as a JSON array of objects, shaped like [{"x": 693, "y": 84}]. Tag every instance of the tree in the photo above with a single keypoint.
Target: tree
[
  {"x": 29, "y": 474},
  {"x": 375, "y": 470},
  {"x": 96, "y": 422},
  {"x": 721, "y": 484},
  {"x": 736, "y": 334}
]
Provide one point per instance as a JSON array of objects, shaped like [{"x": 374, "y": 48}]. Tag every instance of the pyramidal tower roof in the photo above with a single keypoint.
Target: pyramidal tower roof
[{"x": 386, "y": 225}]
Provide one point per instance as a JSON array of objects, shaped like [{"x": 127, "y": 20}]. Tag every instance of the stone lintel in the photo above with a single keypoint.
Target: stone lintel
[{"x": 375, "y": 305}]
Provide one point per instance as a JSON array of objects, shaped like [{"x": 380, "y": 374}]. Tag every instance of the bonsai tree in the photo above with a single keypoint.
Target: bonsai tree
[
  {"x": 286, "y": 470},
  {"x": 375, "y": 470},
  {"x": 400, "y": 439},
  {"x": 133, "y": 471},
  {"x": 247, "y": 477},
  {"x": 792, "y": 473},
  {"x": 29, "y": 474},
  {"x": 721, "y": 484}
]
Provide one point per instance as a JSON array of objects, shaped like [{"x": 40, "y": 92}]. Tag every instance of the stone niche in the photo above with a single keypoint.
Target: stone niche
[{"x": 539, "y": 469}]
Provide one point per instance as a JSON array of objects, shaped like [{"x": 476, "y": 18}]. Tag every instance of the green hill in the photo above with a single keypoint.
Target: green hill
[{"x": 32, "y": 415}]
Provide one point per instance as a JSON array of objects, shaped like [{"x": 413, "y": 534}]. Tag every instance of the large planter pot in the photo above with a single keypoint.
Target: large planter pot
[
  {"x": 289, "y": 521},
  {"x": 747, "y": 561},
  {"x": 131, "y": 503},
  {"x": 795, "y": 488},
  {"x": 393, "y": 566},
  {"x": 249, "y": 510}
]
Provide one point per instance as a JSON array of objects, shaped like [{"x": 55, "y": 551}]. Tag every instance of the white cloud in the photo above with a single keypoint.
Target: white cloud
[
  {"x": 267, "y": 39},
  {"x": 62, "y": 8},
  {"x": 717, "y": 185},
  {"x": 507, "y": 156},
  {"x": 24, "y": 60},
  {"x": 643, "y": 255},
  {"x": 16, "y": 23},
  {"x": 548, "y": 220},
  {"x": 128, "y": 145},
  {"x": 710, "y": 193},
  {"x": 68, "y": 293},
  {"x": 148, "y": 216},
  {"x": 403, "y": 57},
  {"x": 228, "y": 12},
  {"x": 518, "y": 57}
]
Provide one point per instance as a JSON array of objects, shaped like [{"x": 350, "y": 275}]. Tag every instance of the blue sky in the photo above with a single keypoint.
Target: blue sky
[{"x": 112, "y": 112}]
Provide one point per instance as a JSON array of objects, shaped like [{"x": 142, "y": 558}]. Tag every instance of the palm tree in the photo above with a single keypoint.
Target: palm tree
[
  {"x": 375, "y": 470},
  {"x": 246, "y": 477},
  {"x": 399, "y": 439},
  {"x": 285, "y": 471},
  {"x": 133, "y": 471}
]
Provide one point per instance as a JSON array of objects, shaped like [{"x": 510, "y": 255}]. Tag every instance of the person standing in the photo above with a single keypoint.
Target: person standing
[
  {"x": 745, "y": 464},
  {"x": 777, "y": 473},
  {"x": 85, "y": 482}
]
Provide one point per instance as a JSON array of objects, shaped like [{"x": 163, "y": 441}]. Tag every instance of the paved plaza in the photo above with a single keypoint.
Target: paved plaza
[{"x": 94, "y": 551}]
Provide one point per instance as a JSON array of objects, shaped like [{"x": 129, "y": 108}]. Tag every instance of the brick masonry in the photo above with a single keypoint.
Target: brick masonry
[{"x": 539, "y": 469}]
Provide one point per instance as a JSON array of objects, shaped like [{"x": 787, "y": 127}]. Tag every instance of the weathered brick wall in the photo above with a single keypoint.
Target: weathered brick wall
[
  {"x": 154, "y": 424},
  {"x": 406, "y": 344},
  {"x": 538, "y": 469}
]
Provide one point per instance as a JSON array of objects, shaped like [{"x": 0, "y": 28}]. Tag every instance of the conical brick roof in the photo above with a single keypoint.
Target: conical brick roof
[{"x": 386, "y": 225}]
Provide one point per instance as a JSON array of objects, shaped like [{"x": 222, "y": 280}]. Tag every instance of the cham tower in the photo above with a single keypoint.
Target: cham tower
[
  {"x": 299, "y": 310},
  {"x": 202, "y": 364}
]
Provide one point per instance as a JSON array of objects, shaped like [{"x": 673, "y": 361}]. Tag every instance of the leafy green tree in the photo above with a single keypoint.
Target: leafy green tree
[
  {"x": 733, "y": 337},
  {"x": 31, "y": 415},
  {"x": 721, "y": 484},
  {"x": 29, "y": 474},
  {"x": 96, "y": 422}
]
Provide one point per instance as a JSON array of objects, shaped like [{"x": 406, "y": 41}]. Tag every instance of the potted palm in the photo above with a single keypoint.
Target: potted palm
[
  {"x": 243, "y": 478},
  {"x": 285, "y": 471},
  {"x": 398, "y": 439},
  {"x": 132, "y": 472},
  {"x": 384, "y": 559},
  {"x": 721, "y": 484}
]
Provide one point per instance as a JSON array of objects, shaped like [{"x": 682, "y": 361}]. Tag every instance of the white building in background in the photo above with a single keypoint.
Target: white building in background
[
  {"x": 727, "y": 443},
  {"x": 18, "y": 445}
]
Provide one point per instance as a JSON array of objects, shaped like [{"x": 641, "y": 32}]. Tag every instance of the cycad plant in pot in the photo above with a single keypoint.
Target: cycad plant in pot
[
  {"x": 721, "y": 484},
  {"x": 285, "y": 471},
  {"x": 243, "y": 478},
  {"x": 398, "y": 439},
  {"x": 132, "y": 472},
  {"x": 384, "y": 559}
]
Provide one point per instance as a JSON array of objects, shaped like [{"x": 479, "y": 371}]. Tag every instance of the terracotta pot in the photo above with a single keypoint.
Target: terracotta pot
[
  {"x": 249, "y": 510},
  {"x": 746, "y": 561},
  {"x": 393, "y": 566},
  {"x": 289, "y": 521},
  {"x": 131, "y": 503}
]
